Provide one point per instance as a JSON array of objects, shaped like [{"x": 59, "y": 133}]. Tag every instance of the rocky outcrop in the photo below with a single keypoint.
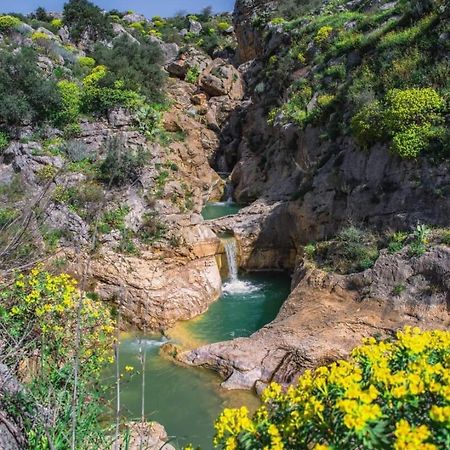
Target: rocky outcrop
[
  {"x": 327, "y": 315},
  {"x": 220, "y": 78},
  {"x": 261, "y": 236},
  {"x": 161, "y": 285},
  {"x": 148, "y": 436},
  {"x": 250, "y": 42}
]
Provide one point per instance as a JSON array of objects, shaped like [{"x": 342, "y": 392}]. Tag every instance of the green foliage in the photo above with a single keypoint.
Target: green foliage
[
  {"x": 367, "y": 124},
  {"x": 397, "y": 242},
  {"x": 323, "y": 35},
  {"x": 390, "y": 394},
  {"x": 192, "y": 75},
  {"x": 4, "y": 141},
  {"x": 411, "y": 117},
  {"x": 27, "y": 95},
  {"x": 121, "y": 165},
  {"x": 83, "y": 17},
  {"x": 43, "y": 312},
  {"x": 8, "y": 23},
  {"x": 86, "y": 61},
  {"x": 353, "y": 250},
  {"x": 7, "y": 215},
  {"x": 152, "y": 229},
  {"x": 149, "y": 120},
  {"x": 113, "y": 220},
  {"x": 412, "y": 107},
  {"x": 134, "y": 66},
  {"x": 71, "y": 96}
]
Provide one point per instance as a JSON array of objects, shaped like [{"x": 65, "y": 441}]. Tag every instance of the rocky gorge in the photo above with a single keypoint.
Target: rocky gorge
[{"x": 270, "y": 117}]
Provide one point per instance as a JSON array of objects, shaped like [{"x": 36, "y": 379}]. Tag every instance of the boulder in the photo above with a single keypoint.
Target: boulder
[
  {"x": 195, "y": 27},
  {"x": 189, "y": 59},
  {"x": 147, "y": 435},
  {"x": 221, "y": 78},
  {"x": 134, "y": 18}
]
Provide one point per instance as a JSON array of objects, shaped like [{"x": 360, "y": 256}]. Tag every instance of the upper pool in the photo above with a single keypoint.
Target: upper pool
[{"x": 220, "y": 209}]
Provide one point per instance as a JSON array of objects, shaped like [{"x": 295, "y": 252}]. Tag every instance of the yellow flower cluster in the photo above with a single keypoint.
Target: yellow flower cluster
[
  {"x": 366, "y": 400},
  {"x": 51, "y": 303}
]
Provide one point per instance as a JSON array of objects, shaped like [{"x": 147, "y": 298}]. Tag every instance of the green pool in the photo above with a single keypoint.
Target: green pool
[
  {"x": 220, "y": 209},
  {"x": 187, "y": 400}
]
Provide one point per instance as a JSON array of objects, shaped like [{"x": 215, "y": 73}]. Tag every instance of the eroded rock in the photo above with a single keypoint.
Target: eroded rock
[{"x": 327, "y": 315}]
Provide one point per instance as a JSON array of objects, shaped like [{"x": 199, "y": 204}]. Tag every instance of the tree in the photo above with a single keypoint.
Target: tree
[
  {"x": 27, "y": 95},
  {"x": 41, "y": 15},
  {"x": 83, "y": 17},
  {"x": 207, "y": 12}
]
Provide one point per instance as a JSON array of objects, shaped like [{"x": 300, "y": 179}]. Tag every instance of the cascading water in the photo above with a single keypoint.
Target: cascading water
[
  {"x": 231, "y": 253},
  {"x": 234, "y": 285}
]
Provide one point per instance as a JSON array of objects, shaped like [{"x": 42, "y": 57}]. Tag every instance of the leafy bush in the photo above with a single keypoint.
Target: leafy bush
[
  {"x": 192, "y": 75},
  {"x": 71, "y": 102},
  {"x": 412, "y": 107},
  {"x": 77, "y": 151},
  {"x": 397, "y": 242},
  {"x": 134, "y": 65},
  {"x": 411, "y": 142},
  {"x": 27, "y": 95},
  {"x": 121, "y": 164},
  {"x": 367, "y": 124},
  {"x": 86, "y": 61},
  {"x": 390, "y": 394},
  {"x": 98, "y": 96},
  {"x": 8, "y": 23},
  {"x": 4, "y": 141},
  {"x": 39, "y": 36},
  {"x": 323, "y": 35},
  {"x": 84, "y": 18}
]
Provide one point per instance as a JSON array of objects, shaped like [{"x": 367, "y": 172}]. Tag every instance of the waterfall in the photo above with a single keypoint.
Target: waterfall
[
  {"x": 231, "y": 253},
  {"x": 229, "y": 190}
]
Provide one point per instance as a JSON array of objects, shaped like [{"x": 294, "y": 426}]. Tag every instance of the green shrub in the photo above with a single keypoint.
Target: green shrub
[
  {"x": 121, "y": 165},
  {"x": 82, "y": 16},
  {"x": 26, "y": 94},
  {"x": 56, "y": 23},
  {"x": 113, "y": 219},
  {"x": 412, "y": 107},
  {"x": 323, "y": 35},
  {"x": 136, "y": 66},
  {"x": 397, "y": 242},
  {"x": 71, "y": 96},
  {"x": 412, "y": 141},
  {"x": 86, "y": 61},
  {"x": 367, "y": 124},
  {"x": 4, "y": 141},
  {"x": 390, "y": 394},
  {"x": 43, "y": 312},
  {"x": 39, "y": 36},
  {"x": 192, "y": 75},
  {"x": 8, "y": 23},
  {"x": 151, "y": 229}
]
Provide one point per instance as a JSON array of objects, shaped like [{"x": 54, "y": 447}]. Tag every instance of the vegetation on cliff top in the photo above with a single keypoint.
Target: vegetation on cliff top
[{"x": 377, "y": 72}]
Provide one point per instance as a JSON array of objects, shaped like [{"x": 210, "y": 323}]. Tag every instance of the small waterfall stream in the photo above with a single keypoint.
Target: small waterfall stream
[{"x": 231, "y": 254}]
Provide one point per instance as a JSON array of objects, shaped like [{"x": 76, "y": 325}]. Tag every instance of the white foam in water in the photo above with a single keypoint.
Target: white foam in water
[
  {"x": 239, "y": 287},
  {"x": 151, "y": 342}
]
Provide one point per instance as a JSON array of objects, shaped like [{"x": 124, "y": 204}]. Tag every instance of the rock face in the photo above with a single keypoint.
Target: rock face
[
  {"x": 220, "y": 78},
  {"x": 158, "y": 288},
  {"x": 250, "y": 44},
  {"x": 327, "y": 315}
]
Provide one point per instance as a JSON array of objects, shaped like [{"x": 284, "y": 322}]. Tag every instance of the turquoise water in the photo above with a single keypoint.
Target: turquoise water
[
  {"x": 188, "y": 400},
  {"x": 220, "y": 209}
]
